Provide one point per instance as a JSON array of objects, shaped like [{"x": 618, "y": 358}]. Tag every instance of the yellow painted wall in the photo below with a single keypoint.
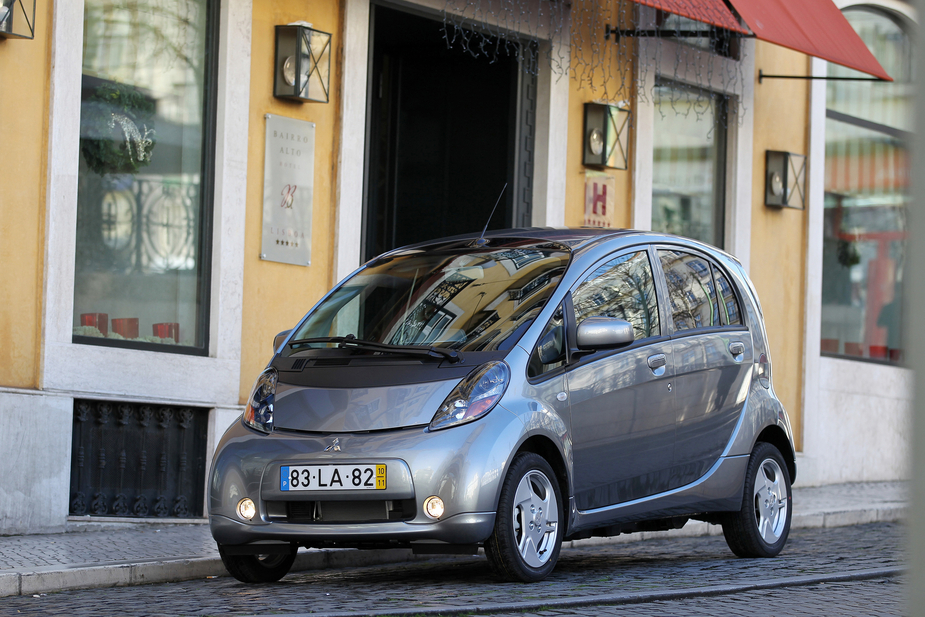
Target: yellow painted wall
[
  {"x": 580, "y": 93},
  {"x": 778, "y": 249},
  {"x": 277, "y": 295},
  {"x": 24, "y": 76}
]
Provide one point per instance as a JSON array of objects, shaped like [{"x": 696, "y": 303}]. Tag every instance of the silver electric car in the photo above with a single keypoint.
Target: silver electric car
[{"x": 511, "y": 391}]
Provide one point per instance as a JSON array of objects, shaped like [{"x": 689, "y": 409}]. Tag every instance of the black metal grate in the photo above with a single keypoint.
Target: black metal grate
[{"x": 137, "y": 460}]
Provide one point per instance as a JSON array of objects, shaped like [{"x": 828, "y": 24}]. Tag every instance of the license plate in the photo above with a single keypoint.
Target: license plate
[{"x": 331, "y": 477}]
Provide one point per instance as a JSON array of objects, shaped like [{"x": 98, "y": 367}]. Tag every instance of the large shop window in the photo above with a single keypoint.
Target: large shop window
[
  {"x": 144, "y": 203},
  {"x": 689, "y": 166},
  {"x": 866, "y": 197}
]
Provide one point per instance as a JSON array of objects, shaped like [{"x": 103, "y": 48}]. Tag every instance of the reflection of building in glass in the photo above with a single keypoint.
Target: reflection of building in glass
[
  {"x": 867, "y": 192},
  {"x": 622, "y": 289},
  {"x": 688, "y": 167}
]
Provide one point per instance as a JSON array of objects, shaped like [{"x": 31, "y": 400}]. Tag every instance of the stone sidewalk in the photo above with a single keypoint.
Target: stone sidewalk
[{"x": 151, "y": 552}]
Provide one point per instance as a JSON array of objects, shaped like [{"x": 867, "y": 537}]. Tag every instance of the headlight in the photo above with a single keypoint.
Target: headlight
[
  {"x": 259, "y": 411},
  {"x": 474, "y": 397}
]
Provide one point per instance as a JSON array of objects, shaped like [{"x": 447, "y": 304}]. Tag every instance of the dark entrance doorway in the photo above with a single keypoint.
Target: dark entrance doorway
[{"x": 445, "y": 132}]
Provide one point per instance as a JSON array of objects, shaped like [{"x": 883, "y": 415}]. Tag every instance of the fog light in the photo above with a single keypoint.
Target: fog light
[
  {"x": 433, "y": 507},
  {"x": 247, "y": 509}
]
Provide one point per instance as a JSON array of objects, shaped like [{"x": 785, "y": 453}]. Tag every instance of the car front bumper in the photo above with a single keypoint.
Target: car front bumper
[{"x": 464, "y": 466}]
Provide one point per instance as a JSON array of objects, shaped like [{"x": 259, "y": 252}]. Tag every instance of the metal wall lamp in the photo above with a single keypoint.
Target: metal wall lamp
[
  {"x": 785, "y": 180},
  {"x": 303, "y": 63},
  {"x": 17, "y": 19},
  {"x": 606, "y": 136}
]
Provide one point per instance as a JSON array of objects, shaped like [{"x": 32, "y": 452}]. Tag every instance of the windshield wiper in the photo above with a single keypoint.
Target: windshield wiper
[{"x": 352, "y": 342}]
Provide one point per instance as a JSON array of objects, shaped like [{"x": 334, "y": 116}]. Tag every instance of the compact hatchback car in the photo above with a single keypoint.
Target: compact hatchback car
[{"x": 510, "y": 392}]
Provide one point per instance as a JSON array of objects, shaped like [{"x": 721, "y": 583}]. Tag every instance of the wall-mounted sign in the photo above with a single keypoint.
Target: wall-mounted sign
[
  {"x": 600, "y": 198},
  {"x": 288, "y": 183}
]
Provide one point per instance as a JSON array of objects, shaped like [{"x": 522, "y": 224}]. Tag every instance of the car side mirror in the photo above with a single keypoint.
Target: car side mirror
[
  {"x": 279, "y": 338},
  {"x": 550, "y": 348},
  {"x": 596, "y": 333}
]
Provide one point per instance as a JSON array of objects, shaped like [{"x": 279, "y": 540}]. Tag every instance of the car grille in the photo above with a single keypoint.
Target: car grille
[{"x": 372, "y": 511}]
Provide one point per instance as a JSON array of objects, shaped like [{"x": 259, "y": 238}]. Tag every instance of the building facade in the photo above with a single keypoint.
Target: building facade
[{"x": 146, "y": 274}]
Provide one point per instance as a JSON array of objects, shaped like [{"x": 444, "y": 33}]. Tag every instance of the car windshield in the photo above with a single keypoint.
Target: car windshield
[{"x": 468, "y": 300}]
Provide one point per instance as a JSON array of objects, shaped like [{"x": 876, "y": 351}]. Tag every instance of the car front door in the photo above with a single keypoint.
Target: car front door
[{"x": 622, "y": 411}]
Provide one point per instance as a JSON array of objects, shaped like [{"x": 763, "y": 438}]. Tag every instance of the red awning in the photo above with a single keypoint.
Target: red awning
[
  {"x": 713, "y": 12},
  {"x": 813, "y": 27}
]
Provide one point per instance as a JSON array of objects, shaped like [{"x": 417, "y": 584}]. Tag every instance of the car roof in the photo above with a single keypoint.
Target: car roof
[{"x": 572, "y": 239}]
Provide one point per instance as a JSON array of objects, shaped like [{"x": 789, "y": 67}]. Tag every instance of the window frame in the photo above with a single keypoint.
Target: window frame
[
  {"x": 213, "y": 379},
  {"x": 715, "y": 267},
  {"x": 905, "y": 23},
  {"x": 659, "y": 58},
  {"x": 206, "y": 205},
  {"x": 723, "y": 103}
]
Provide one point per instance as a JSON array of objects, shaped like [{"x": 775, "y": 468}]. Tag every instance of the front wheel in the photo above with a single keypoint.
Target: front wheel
[
  {"x": 761, "y": 527},
  {"x": 527, "y": 537},
  {"x": 257, "y": 568}
]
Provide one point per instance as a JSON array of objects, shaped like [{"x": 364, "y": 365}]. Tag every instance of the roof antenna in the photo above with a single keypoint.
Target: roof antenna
[{"x": 481, "y": 241}]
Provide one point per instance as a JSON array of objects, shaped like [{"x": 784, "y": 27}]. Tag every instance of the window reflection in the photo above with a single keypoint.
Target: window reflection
[
  {"x": 624, "y": 289},
  {"x": 867, "y": 192},
  {"x": 691, "y": 294},
  {"x": 472, "y": 301},
  {"x": 688, "y": 171},
  {"x": 139, "y": 268}
]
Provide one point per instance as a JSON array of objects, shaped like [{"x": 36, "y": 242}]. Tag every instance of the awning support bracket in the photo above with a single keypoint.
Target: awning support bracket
[
  {"x": 762, "y": 76},
  {"x": 668, "y": 34}
]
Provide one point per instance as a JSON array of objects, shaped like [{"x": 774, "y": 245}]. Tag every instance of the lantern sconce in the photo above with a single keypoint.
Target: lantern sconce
[
  {"x": 785, "y": 180},
  {"x": 17, "y": 19},
  {"x": 606, "y": 136},
  {"x": 303, "y": 63}
]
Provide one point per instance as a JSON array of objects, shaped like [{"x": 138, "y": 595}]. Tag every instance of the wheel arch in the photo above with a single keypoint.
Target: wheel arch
[
  {"x": 545, "y": 447},
  {"x": 776, "y": 436}
]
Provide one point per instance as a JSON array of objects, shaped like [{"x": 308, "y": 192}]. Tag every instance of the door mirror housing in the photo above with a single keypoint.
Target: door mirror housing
[
  {"x": 596, "y": 333},
  {"x": 279, "y": 338}
]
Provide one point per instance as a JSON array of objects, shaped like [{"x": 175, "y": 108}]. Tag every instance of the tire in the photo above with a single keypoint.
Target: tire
[
  {"x": 761, "y": 527},
  {"x": 528, "y": 527},
  {"x": 257, "y": 568}
]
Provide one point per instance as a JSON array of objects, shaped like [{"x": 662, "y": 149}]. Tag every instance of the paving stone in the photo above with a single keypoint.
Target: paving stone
[{"x": 464, "y": 583}]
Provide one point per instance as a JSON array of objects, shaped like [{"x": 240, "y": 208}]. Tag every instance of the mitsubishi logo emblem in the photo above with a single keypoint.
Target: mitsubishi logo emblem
[{"x": 334, "y": 447}]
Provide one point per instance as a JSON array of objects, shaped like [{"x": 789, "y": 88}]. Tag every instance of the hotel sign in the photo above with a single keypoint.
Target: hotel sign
[{"x": 288, "y": 185}]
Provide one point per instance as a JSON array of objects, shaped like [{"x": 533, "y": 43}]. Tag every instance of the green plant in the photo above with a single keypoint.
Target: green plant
[{"x": 115, "y": 132}]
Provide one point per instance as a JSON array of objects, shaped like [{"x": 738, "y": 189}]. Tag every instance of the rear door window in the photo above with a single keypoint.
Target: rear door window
[{"x": 691, "y": 293}]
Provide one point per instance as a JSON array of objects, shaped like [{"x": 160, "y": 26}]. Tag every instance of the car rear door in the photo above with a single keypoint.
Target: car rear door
[{"x": 714, "y": 355}]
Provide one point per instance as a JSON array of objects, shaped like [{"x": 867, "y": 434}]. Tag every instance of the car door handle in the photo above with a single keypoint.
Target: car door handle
[
  {"x": 737, "y": 349},
  {"x": 657, "y": 363}
]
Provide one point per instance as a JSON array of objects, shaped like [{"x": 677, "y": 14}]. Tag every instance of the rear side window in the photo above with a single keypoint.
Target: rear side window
[
  {"x": 699, "y": 292},
  {"x": 691, "y": 293},
  {"x": 729, "y": 306},
  {"x": 622, "y": 288}
]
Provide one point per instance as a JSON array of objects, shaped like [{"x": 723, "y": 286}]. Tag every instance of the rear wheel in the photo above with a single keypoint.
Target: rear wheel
[
  {"x": 257, "y": 568},
  {"x": 761, "y": 527},
  {"x": 527, "y": 537}
]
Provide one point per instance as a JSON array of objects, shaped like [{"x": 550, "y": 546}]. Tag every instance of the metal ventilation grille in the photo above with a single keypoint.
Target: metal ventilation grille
[{"x": 137, "y": 460}]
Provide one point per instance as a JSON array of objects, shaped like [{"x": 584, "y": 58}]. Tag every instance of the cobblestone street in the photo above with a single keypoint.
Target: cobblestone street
[{"x": 586, "y": 581}]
